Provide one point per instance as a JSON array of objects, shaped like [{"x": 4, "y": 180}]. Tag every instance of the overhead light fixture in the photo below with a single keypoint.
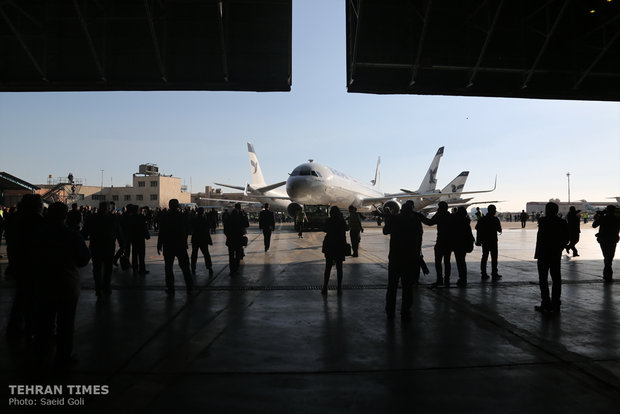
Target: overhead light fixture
[{"x": 592, "y": 11}]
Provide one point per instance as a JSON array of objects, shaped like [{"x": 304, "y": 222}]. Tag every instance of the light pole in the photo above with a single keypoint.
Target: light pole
[
  {"x": 568, "y": 177},
  {"x": 102, "y": 181}
]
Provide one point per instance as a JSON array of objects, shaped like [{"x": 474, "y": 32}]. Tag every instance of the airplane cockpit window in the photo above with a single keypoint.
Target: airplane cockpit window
[{"x": 305, "y": 170}]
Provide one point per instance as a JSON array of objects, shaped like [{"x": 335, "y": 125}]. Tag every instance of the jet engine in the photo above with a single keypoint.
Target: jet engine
[
  {"x": 391, "y": 206},
  {"x": 293, "y": 209}
]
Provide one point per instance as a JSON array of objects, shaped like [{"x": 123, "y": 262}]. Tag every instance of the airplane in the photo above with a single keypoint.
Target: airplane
[
  {"x": 258, "y": 189},
  {"x": 451, "y": 194},
  {"x": 316, "y": 184}
]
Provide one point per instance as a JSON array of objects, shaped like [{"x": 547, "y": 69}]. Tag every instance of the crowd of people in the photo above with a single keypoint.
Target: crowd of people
[
  {"x": 455, "y": 236},
  {"x": 46, "y": 249}
]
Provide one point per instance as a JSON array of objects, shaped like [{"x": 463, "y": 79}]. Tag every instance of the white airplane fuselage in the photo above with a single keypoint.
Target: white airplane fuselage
[
  {"x": 276, "y": 203},
  {"x": 316, "y": 184}
]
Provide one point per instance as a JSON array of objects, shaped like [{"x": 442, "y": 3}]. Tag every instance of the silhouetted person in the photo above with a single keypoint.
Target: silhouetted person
[
  {"x": 102, "y": 229},
  {"x": 137, "y": 235},
  {"x": 213, "y": 219},
  {"x": 1, "y": 226},
  {"x": 462, "y": 242},
  {"x": 607, "y": 237},
  {"x": 58, "y": 288},
  {"x": 443, "y": 248},
  {"x": 201, "y": 239},
  {"x": 334, "y": 246},
  {"x": 550, "y": 242},
  {"x": 235, "y": 229},
  {"x": 478, "y": 214},
  {"x": 405, "y": 230},
  {"x": 28, "y": 243},
  {"x": 573, "y": 220},
  {"x": 355, "y": 228},
  {"x": 172, "y": 239},
  {"x": 11, "y": 222},
  {"x": 74, "y": 218},
  {"x": 300, "y": 219},
  {"x": 124, "y": 246},
  {"x": 267, "y": 223},
  {"x": 487, "y": 228},
  {"x": 523, "y": 218}
]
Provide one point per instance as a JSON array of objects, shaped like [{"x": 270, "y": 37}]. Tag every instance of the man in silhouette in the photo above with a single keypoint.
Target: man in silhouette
[
  {"x": 607, "y": 237},
  {"x": 462, "y": 242},
  {"x": 137, "y": 235},
  {"x": 267, "y": 223},
  {"x": 355, "y": 228},
  {"x": 102, "y": 229},
  {"x": 58, "y": 288},
  {"x": 523, "y": 217},
  {"x": 572, "y": 218},
  {"x": 550, "y": 241},
  {"x": 213, "y": 219},
  {"x": 173, "y": 231},
  {"x": 201, "y": 239},
  {"x": 300, "y": 219},
  {"x": 443, "y": 248},
  {"x": 487, "y": 229},
  {"x": 235, "y": 229},
  {"x": 405, "y": 230},
  {"x": 28, "y": 243}
]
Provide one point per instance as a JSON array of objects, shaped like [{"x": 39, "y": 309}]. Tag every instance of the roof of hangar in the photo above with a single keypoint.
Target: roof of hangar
[
  {"x": 553, "y": 49},
  {"x": 10, "y": 182},
  {"x": 102, "y": 45}
]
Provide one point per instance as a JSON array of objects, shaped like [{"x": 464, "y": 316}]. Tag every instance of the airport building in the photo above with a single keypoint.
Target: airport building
[
  {"x": 149, "y": 188},
  {"x": 534, "y": 207}
]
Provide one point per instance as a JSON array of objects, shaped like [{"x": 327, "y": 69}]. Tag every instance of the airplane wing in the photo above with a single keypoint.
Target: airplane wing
[
  {"x": 235, "y": 187},
  {"x": 268, "y": 187},
  {"x": 230, "y": 201},
  {"x": 401, "y": 196},
  {"x": 267, "y": 197},
  {"x": 433, "y": 207},
  {"x": 259, "y": 189},
  {"x": 406, "y": 192}
]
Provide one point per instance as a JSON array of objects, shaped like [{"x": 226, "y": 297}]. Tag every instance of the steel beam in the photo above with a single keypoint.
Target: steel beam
[
  {"x": 89, "y": 40},
  {"x": 486, "y": 44},
  {"x": 151, "y": 23}
]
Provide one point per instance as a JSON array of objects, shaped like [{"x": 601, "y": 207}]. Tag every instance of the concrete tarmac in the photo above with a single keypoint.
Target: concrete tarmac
[{"x": 266, "y": 340}]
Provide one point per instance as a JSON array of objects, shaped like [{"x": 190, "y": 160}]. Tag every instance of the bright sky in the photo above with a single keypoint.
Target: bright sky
[{"x": 201, "y": 136}]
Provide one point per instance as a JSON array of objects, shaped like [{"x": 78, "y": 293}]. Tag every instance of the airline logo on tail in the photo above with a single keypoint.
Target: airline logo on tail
[
  {"x": 253, "y": 159},
  {"x": 255, "y": 170},
  {"x": 432, "y": 176},
  {"x": 430, "y": 179}
]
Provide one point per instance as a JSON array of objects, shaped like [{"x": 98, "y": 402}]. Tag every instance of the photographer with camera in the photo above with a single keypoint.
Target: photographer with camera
[{"x": 609, "y": 222}]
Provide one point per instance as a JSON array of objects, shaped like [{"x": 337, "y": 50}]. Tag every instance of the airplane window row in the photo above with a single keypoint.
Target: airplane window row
[{"x": 338, "y": 173}]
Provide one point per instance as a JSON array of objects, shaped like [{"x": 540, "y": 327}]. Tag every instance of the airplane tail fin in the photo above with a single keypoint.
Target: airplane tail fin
[
  {"x": 456, "y": 185},
  {"x": 430, "y": 179},
  {"x": 377, "y": 179},
  {"x": 257, "y": 173}
]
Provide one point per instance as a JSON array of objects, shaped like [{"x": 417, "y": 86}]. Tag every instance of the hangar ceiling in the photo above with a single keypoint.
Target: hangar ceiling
[
  {"x": 99, "y": 45},
  {"x": 553, "y": 49}
]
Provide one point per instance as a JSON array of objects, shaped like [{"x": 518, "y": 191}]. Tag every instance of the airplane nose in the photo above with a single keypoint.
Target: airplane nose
[{"x": 296, "y": 188}]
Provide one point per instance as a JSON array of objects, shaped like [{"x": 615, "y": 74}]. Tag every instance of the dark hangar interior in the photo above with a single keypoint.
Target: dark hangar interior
[{"x": 549, "y": 49}]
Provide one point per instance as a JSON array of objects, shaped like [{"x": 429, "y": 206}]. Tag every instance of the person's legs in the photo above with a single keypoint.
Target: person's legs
[{"x": 326, "y": 274}]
